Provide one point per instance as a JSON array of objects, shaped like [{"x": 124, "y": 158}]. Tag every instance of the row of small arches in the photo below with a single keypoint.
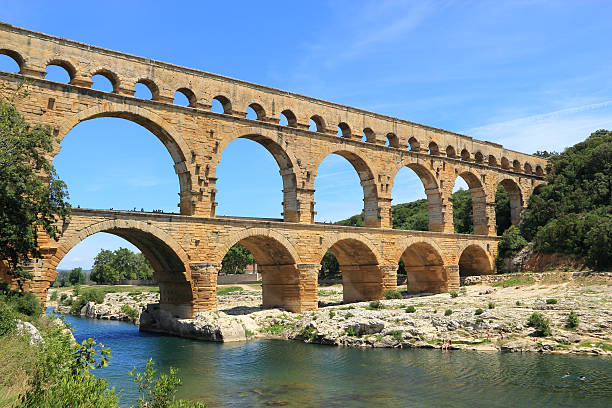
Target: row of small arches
[{"x": 106, "y": 80}]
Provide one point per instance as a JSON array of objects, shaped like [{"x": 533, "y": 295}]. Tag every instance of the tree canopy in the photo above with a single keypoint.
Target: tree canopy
[
  {"x": 236, "y": 259},
  {"x": 112, "y": 266},
  {"x": 32, "y": 197},
  {"x": 572, "y": 213}
]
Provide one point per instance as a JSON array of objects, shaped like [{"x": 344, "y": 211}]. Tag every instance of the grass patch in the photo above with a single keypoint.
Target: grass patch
[
  {"x": 478, "y": 311},
  {"x": 327, "y": 292},
  {"x": 448, "y": 312},
  {"x": 453, "y": 294},
  {"x": 228, "y": 290},
  {"x": 572, "y": 320},
  {"x": 392, "y": 294},
  {"x": 410, "y": 309},
  {"x": 309, "y": 333},
  {"x": 276, "y": 328},
  {"x": 491, "y": 305},
  {"x": 116, "y": 288},
  {"x": 131, "y": 312},
  {"x": 375, "y": 305},
  {"x": 396, "y": 334},
  {"x": 551, "y": 301},
  {"x": 515, "y": 281},
  {"x": 599, "y": 345}
]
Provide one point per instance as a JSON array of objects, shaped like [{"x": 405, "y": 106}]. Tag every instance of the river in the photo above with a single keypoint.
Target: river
[{"x": 266, "y": 372}]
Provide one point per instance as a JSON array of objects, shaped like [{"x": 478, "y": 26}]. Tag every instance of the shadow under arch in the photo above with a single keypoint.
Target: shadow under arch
[
  {"x": 432, "y": 191},
  {"x": 169, "y": 261},
  {"x": 474, "y": 261},
  {"x": 371, "y": 216},
  {"x": 286, "y": 170},
  {"x": 277, "y": 262},
  {"x": 362, "y": 278},
  {"x": 425, "y": 271},
  {"x": 174, "y": 143}
]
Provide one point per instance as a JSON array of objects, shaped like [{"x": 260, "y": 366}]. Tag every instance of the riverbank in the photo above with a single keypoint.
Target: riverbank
[{"x": 481, "y": 317}]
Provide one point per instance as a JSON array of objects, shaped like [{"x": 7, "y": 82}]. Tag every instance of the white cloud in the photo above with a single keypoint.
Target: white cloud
[{"x": 550, "y": 131}]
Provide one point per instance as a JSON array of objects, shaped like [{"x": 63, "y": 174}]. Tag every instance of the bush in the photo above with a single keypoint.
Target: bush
[
  {"x": 540, "y": 324},
  {"x": 131, "y": 312},
  {"x": 7, "y": 319},
  {"x": 396, "y": 334},
  {"x": 551, "y": 301},
  {"x": 63, "y": 297},
  {"x": 392, "y": 294},
  {"x": 572, "y": 320},
  {"x": 28, "y": 304},
  {"x": 453, "y": 294},
  {"x": 509, "y": 245},
  {"x": 491, "y": 305},
  {"x": 448, "y": 312},
  {"x": 376, "y": 304},
  {"x": 410, "y": 309},
  {"x": 478, "y": 311},
  {"x": 53, "y": 296}
]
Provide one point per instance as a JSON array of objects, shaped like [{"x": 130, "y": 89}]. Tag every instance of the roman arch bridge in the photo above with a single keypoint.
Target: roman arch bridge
[{"x": 186, "y": 249}]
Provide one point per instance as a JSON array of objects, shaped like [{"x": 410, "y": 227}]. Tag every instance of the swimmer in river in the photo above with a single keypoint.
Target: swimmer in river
[
  {"x": 566, "y": 375},
  {"x": 582, "y": 378}
]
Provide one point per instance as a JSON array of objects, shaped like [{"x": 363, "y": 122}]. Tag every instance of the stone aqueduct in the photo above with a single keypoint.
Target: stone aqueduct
[{"x": 186, "y": 249}]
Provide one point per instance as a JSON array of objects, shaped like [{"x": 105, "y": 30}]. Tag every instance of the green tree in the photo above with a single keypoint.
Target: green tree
[
  {"x": 236, "y": 259},
  {"x": 329, "y": 266},
  {"x": 104, "y": 268},
  {"x": 76, "y": 276},
  {"x": 32, "y": 197},
  {"x": 143, "y": 266},
  {"x": 503, "y": 219},
  {"x": 462, "y": 212},
  {"x": 571, "y": 213},
  {"x": 511, "y": 243}
]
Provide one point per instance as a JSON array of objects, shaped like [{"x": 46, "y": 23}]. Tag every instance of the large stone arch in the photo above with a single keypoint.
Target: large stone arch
[
  {"x": 367, "y": 179},
  {"x": 474, "y": 260},
  {"x": 479, "y": 201},
  {"x": 432, "y": 190},
  {"x": 277, "y": 260},
  {"x": 165, "y": 132},
  {"x": 169, "y": 261},
  {"x": 362, "y": 276},
  {"x": 424, "y": 265},
  {"x": 516, "y": 198},
  {"x": 285, "y": 165}
]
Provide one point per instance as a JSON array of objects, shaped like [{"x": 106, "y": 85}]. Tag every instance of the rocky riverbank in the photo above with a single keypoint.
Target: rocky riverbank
[{"x": 482, "y": 317}]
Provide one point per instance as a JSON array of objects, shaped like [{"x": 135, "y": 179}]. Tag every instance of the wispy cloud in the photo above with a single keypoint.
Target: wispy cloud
[{"x": 554, "y": 130}]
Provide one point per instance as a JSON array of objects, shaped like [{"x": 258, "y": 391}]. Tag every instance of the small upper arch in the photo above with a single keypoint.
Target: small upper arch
[
  {"x": 465, "y": 155},
  {"x": 393, "y": 140},
  {"x": 289, "y": 117},
  {"x": 344, "y": 130},
  {"x": 260, "y": 112},
  {"x": 479, "y": 157},
  {"x": 433, "y": 148},
  {"x": 110, "y": 76},
  {"x": 14, "y": 55},
  {"x": 450, "y": 152},
  {"x": 414, "y": 144},
  {"x": 528, "y": 169},
  {"x": 319, "y": 123},
  {"x": 226, "y": 104},
  {"x": 539, "y": 171},
  {"x": 66, "y": 65},
  {"x": 492, "y": 161},
  {"x": 505, "y": 163},
  {"x": 189, "y": 94},
  {"x": 369, "y": 134},
  {"x": 153, "y": 88},
  {"x": 516, "y": 165}
]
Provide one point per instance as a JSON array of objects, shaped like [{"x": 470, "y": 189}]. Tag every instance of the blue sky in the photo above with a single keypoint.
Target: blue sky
[{"x": 531, "y": 75}]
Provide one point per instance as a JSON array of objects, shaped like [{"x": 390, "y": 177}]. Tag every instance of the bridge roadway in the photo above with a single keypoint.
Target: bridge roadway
[{"x": 186, "y": 254}]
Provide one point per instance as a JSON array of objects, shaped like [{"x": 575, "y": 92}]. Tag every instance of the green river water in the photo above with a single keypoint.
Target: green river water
[{"x": 285, "y": 373}]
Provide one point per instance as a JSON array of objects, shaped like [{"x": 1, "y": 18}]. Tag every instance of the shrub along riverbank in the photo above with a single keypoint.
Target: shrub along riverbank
[{"x": 43, "y": 367}]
